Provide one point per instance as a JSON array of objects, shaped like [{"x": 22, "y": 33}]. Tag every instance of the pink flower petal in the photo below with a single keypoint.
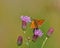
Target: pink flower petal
[
  {"x": 38, "y": 32},
  {"x": 26, "y": 18},
  {"x": 50, "y": 31}
]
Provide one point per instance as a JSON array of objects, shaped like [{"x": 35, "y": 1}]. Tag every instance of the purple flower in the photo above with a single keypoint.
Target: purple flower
[
  {"x": 34, "y": 38},
  {"x": 19, "y": 40},
  {"x": 50, "y": 31},
  {"x": 38, "y": 32},
  {"x": 24, "y": 25},
  {"x": 25, "y": 18}
]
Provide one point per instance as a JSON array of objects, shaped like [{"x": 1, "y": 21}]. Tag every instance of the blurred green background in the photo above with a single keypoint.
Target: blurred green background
[{"x": 10, "y": 23}]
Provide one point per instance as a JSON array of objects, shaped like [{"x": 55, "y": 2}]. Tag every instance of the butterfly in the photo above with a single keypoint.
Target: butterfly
[{"x": 37, "y": 22}]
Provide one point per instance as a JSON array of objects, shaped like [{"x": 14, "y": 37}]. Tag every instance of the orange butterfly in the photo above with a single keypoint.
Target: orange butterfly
[{"x": 36, "y": 22}]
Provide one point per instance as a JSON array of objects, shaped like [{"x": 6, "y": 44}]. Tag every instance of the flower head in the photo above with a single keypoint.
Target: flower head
[
  {"x": 19, "y": 40},
  {"x": 50, "y": 31},
  {"x": 34, "y": 37},
  {"x": 38, "y": 32},
  {"x": 25, "y": 18}
]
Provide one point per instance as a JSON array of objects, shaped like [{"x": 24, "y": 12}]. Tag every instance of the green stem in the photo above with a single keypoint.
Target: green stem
[
  {"x": 29, "y": 43},
  {"x": 44, "y": 42}
]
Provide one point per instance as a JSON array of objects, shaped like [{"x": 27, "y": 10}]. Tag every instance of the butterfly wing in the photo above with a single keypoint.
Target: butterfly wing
[
  {"x": 33, "y": 25},
  {"x": 40, "y": 22}
]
